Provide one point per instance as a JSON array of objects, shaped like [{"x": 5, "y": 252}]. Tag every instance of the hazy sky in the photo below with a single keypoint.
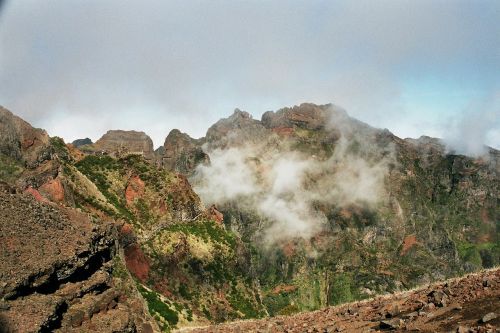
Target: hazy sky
[{"x": 79, "y": 68}]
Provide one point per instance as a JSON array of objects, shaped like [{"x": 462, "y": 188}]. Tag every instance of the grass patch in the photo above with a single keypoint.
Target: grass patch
[
  {"x": 167, "y": 318},
  {"x": 9, "y": 168}
]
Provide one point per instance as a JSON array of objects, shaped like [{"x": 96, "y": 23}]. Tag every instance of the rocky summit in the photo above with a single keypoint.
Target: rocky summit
[
  {"x": 297, "y": 222},
  {"x": 120, "y": 143}
]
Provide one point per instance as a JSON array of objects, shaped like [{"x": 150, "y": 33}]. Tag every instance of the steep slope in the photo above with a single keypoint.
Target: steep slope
[
  {"x": 337, "y": 210},
  {"x": 184, "y": 263},
  {"x": 188, "y": 267},
  {"x": 181, "y": 153},
  {"x": 307, "y": 208},
  {"x": 468, "y": 304},
  {"x": 60, "y": 271}
]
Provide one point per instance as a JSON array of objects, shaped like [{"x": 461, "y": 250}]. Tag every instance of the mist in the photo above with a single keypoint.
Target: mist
[
  {"x": 80, "y": 68},
  {"x": 480, "y": 123},
  {"x": 284, "y": 187}
]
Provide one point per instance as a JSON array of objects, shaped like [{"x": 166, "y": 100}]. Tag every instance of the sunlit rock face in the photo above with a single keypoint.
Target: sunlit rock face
[
  {"x": 119, "y": 143},
  {"x": 20, "y": 141}
]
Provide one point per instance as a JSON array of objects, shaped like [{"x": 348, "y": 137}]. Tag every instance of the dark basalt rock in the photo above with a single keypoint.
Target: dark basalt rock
[
  {"x": 54, "y": 261},
  {"x": 81, "y": 142}
]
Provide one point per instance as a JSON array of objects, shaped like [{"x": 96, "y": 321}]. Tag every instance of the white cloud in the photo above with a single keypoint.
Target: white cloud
[
  {"x": 283, "y": 186},
  {"x": 165, "y": 64}
]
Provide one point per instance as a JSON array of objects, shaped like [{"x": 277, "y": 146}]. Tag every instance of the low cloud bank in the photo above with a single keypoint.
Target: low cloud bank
[
  {"x": 286, "y": 187},
  {"x": 479, "y": 124}
]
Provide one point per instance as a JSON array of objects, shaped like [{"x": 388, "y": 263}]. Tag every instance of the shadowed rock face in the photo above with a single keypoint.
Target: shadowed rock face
[
  {"x": 57, "y": 271},
  {"x": 237, "y": 130},
  {"x": 20, "y": 141},
  {"x": 118, "y": 142},
  {"x": 81, "y": 142},
  {"x": 181, "y": 153}
]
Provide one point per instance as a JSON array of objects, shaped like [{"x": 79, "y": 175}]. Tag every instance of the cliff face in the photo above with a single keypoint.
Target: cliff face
[
  {"x": 181, "y": 153},
  {"x": 60, "y": 271},
  {"x": 21, "y": 142},
  {"x": 121, "y": 143},
  {"x": 340, "y": 210},
  {"x": 179, "y": 255}
]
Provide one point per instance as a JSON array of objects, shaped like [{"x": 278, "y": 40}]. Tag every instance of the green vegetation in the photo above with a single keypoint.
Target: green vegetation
[
  {"x": 340, "y": 289},
  {"x": 119, "y": 269},
  {"x": 96, "y": 169},
  {"x": 480, "y": 255},
  {"x": 184, "y": 292},
  {"x": 242, "y": 304},
  {"x": 57, "y": 143},
  {"x": 281, "y": 303},
  {"x": 166, "y": 317},
  {"x": 10, "y": 169},
  {"x": 207, "y": 230}
]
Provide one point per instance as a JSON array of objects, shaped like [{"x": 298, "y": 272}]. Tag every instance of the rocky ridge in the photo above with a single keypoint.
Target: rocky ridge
[
  {"x": 194, "y": 266},
  {"x": 181, "y": 153},
  {"x": 59, "y": 271},
  {"x": 415, "y": 234}
]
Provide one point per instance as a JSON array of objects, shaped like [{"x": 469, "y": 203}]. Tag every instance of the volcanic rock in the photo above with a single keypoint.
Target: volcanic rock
[
  {"x": 55, "y": 270},
  {"x": 81, "y": 142},
  {"x": 488, "y": 317},
  {"x": 392, "y": 324},
  {"x": 306, "y": 115},
  {"x": 20, "y": 141},
  {"x": 238, "y": 130},
  {"x": 121, "y": 143},
  {"x": 181, "y": 153}
]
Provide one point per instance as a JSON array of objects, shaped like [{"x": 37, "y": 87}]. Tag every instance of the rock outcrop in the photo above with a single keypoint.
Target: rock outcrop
[
  {"x": 237, "y": 130},
  {"x": 421, "y": 205},
  {"x": 20, "y": 141},
  {"x": 181, "y": 153},
  {"x": 434, "y": 217},
  {"x": 81, "y": 142},
  {"x": 306, "y": 115},
  {"x": 121, "y": 143},
  {"x": 58, "y": 271}
]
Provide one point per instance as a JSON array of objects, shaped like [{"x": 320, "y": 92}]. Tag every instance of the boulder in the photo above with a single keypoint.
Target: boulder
[{"x": 488, "y": 317}]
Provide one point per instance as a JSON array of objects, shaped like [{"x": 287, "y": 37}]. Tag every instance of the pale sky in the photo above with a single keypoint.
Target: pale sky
[{"x": 79, "y": 68}]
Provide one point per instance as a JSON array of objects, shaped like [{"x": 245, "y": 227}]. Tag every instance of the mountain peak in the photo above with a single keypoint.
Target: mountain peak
[
  {"x": 237, "y": 113},
  {"x": 116, "y": 142}
]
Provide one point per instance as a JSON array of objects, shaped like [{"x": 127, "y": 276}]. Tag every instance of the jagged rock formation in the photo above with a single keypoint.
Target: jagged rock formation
[
  {"x": 177, "y": 250},
  {"x": 81, "y": 142},
  {"x": 57, "y": 271},
  {"x": 306, "y": 115},
  {"x": 21, "y": 142},
  {"x": 238, "y": 129},
  {"x": 181, "y": 153},
  {"x": 121, "y": 143}
]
